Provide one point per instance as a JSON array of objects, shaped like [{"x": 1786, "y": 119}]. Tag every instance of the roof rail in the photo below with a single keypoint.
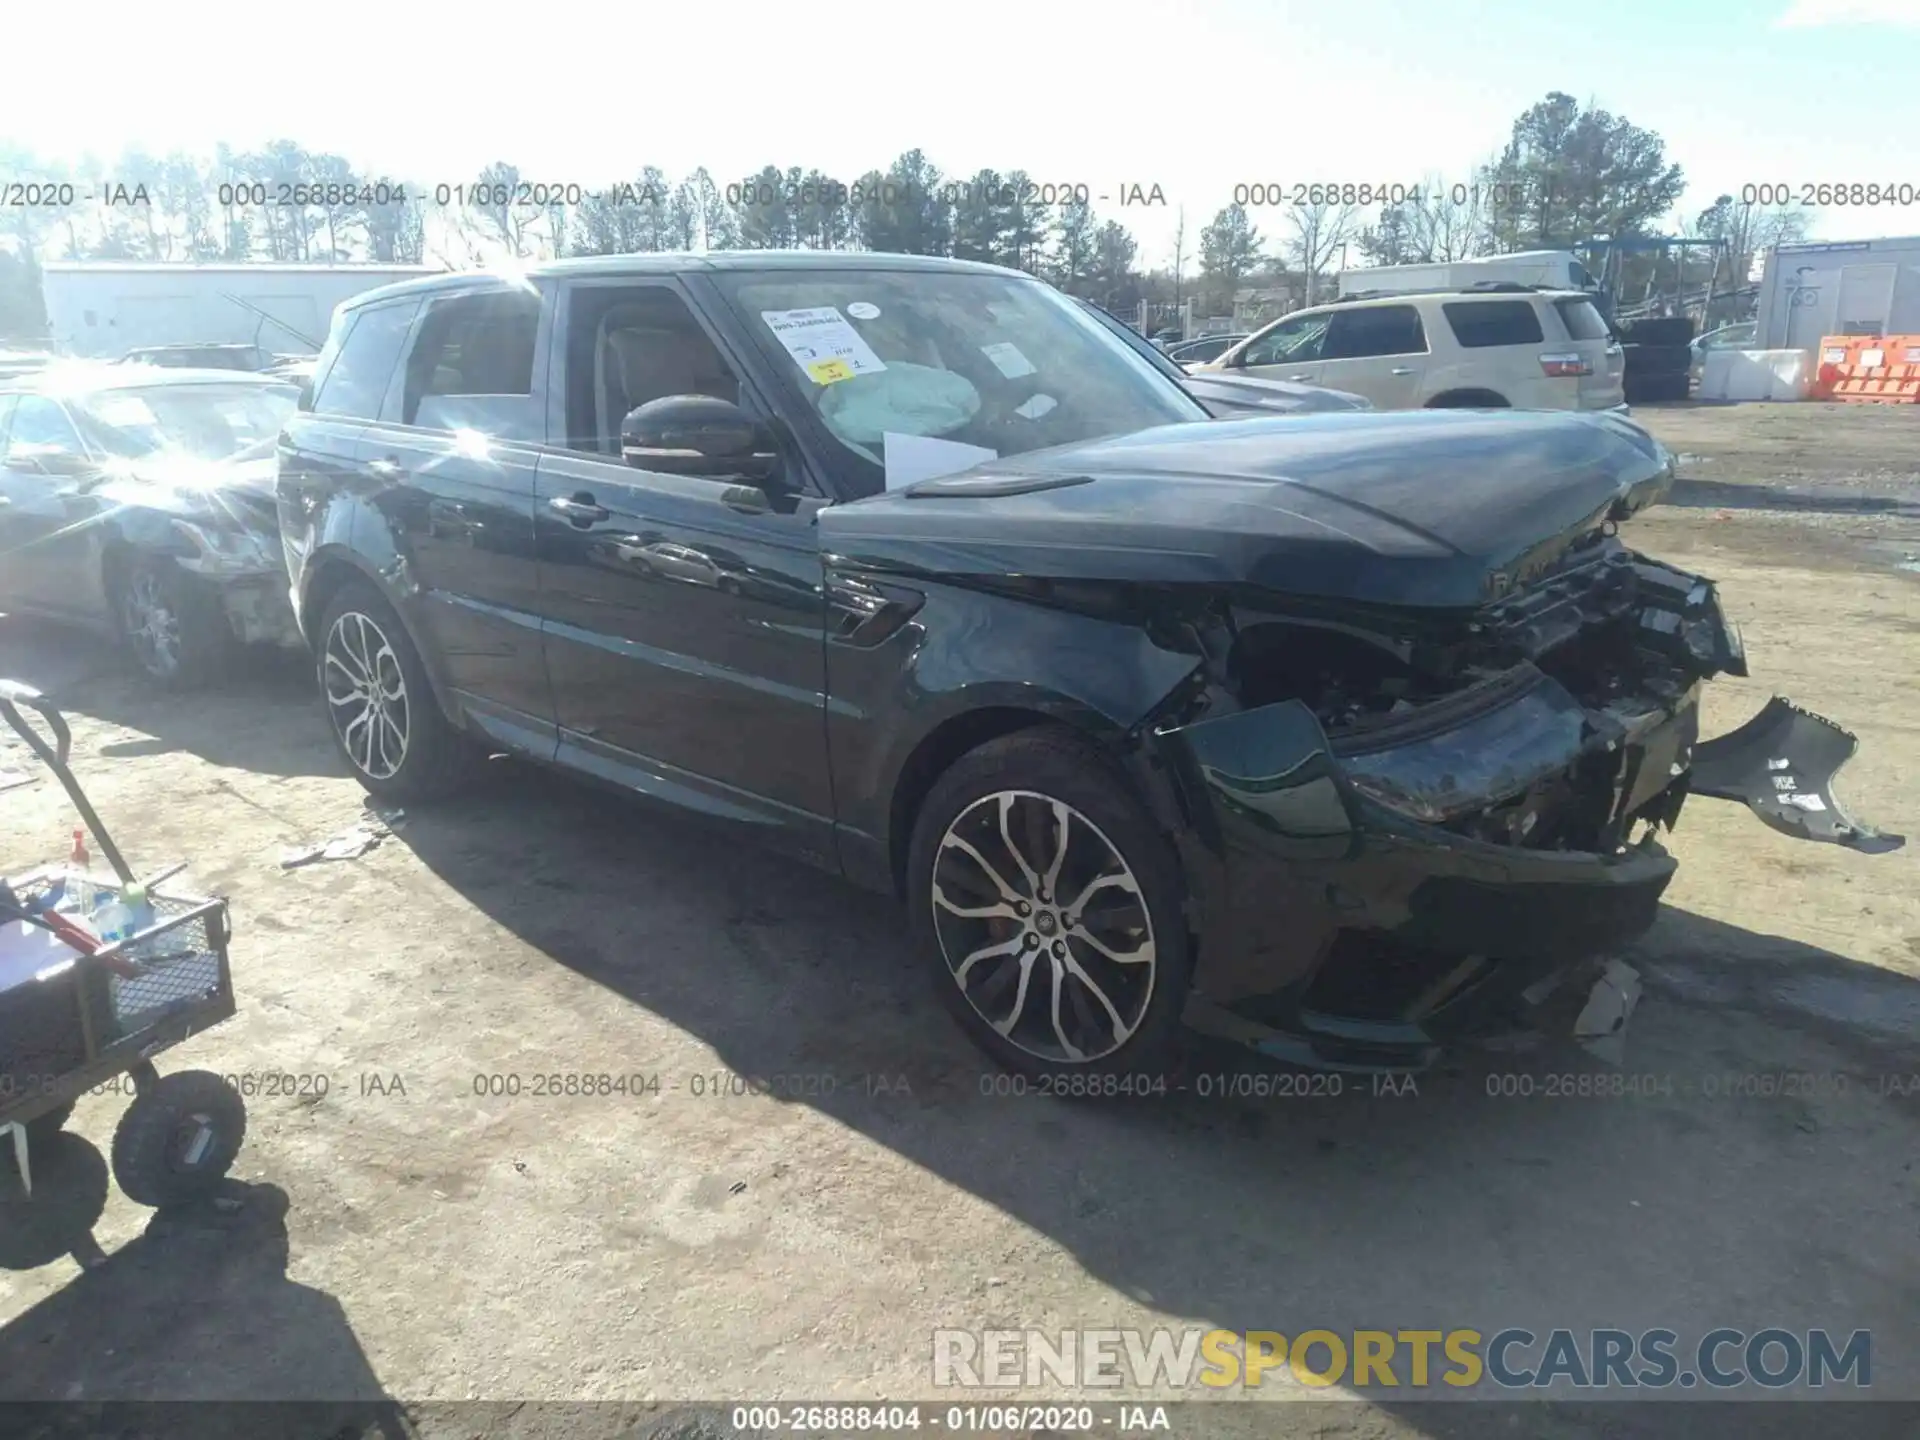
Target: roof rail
[{"x": 1478, "y": 287}]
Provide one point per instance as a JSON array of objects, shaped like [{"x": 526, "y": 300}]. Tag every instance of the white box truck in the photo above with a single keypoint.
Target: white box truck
[
  {"x": 103, "y": 309},
  {"x": 1547, "y": 269}
]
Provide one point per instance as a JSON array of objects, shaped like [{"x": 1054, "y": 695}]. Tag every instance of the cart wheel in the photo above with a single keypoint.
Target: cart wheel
[
  {"x": 178, "y": 1138},
  {"x": 42, "y": 1130}
]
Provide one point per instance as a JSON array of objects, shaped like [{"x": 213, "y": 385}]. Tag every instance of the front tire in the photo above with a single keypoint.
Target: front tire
[
  {"x": 1048, "y": 907},
  {"x": 171, "y": 623},
  {"x": 380, "y": 704},
  {"x": 179, "y": 1138}
]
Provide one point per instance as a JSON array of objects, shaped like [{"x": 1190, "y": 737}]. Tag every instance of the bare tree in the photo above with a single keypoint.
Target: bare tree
[
  {"x": 1179, "y": 252},
  {"x": 1448, "y": 221},
  {"x": 1318, "y": 233}
]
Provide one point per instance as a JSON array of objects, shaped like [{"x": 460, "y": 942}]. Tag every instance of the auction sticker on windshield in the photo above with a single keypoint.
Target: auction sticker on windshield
[
  {"x": 822, "y": 343},
  {"x": 1008, "y": 360}
]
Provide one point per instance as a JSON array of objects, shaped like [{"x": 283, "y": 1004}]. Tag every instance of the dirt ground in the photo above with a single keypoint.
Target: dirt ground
[{"x": 409, "y": 1236}]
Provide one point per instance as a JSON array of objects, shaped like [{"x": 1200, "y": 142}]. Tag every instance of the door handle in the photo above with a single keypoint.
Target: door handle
[
  {"x": 1298, "y": 378},
  {"x": 580, "y": 508},
  {"x": 1401, "y": 370},
  {"x": 386, "y": 469}
]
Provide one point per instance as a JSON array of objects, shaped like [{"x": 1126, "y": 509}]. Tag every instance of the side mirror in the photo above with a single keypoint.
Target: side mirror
[
  {"x": 304, "y": 401},
  {"x": 698, "y": 435}
]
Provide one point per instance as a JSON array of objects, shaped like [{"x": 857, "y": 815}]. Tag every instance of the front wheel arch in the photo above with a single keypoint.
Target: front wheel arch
[{"x": 937, "y": 753}]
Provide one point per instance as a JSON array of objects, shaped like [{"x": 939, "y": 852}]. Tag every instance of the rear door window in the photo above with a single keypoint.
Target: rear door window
[
  {"x": 471, "y": 346},
  {"x": 1376, "y": 330},
  {"x": 1480, "y": 324},
  {"x": 1582, "y": 320},
  {"x": 357, "y": 381}
]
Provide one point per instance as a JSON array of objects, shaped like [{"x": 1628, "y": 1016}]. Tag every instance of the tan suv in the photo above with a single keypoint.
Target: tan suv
[{"x": 1499, "y": 346}]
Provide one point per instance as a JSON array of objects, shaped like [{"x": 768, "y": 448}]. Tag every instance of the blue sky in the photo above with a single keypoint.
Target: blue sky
[{"x": 1195, "y": 95}]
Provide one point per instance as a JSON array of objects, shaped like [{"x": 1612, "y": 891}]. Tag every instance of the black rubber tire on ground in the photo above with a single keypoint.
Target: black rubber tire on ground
[
  {"x": 1662, "y": 331},
  {"x": 1651, "y": 360},
  {"x": 141, "y": 590},
  {"x": 149, "y": 1163},
  {"x": 43, "y": 1128},
  {"x": 1060, "y": 765},
  {"x": 436, "y": 757}
]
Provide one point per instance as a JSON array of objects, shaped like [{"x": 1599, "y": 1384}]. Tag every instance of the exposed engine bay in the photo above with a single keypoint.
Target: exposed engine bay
[{"x": 1561, "y": 716}]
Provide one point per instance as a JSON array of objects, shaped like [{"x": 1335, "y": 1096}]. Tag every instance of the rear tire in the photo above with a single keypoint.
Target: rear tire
[
  {"x": 41, "y": 1130},
  {"x": 171, "y": 622},
  {"x": 381, "y": 707},
  {"x": 1013, "y": 843}
]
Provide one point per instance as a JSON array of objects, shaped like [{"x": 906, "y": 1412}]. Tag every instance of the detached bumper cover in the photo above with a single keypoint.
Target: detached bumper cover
[{"x": 1781, "y": 765}]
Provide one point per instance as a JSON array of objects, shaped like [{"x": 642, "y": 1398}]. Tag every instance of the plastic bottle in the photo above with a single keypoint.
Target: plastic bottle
[
  {"x": 124, "y": 915},
  {"x": 82, "y": 895}
]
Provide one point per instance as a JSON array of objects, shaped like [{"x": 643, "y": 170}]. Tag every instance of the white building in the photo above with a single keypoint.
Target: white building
[
  {"x": 1852, "y": 287},
  {"x": 102, "y": 309}
]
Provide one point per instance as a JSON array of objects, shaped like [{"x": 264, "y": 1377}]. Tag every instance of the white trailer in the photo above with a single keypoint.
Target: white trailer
[
  {"x": 1849, "y": 287},
  {"x": 102, "y": 309},
  {"x": 1549, "y": 269}
]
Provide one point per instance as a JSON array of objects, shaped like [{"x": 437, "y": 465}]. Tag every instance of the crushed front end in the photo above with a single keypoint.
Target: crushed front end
[{"x": 1401, "y": 826}]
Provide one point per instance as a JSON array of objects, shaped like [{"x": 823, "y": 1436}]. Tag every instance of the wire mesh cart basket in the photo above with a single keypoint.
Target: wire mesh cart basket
[{"x": 79, "y": 1014}]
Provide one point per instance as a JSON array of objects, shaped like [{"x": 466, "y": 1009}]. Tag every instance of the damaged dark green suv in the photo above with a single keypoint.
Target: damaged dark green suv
[{"x": 1340, "y": 733}]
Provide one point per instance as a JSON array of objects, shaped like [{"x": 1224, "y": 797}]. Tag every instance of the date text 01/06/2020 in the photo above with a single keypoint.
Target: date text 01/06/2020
[{"x": 756, "y": 193}]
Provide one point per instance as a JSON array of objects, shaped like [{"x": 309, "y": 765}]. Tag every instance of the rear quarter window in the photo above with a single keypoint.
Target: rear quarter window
[
  {"x": 369, "y": 351},
  {"x": 1481, "y": 324},
  {"x": 1582, "y": 319}
]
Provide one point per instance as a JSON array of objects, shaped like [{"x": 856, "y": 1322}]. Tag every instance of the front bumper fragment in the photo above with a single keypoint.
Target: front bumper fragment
[
  {"x": 1353, "y": 908},
  {"x": 259, "y": 612},
  {"x": 1781, "y": 765}
]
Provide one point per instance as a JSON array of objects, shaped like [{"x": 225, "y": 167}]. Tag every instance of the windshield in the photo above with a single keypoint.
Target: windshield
[
  {"x": 1135, "y": 341},
  {"x": 206, "y": 422},
  {"x": 915, "y": 373}
]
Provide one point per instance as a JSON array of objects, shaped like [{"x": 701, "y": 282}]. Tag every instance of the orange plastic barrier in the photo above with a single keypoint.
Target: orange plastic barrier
[
  {"x": 1876, "y": 369},
  {"x": 1836, "y": 355}
]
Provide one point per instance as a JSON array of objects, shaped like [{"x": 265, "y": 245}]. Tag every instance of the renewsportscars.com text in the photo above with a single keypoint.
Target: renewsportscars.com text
[{"x": 1771, "y": 1358}]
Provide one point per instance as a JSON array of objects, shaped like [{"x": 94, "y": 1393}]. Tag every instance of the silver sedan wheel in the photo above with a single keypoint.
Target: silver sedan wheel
[
  {"x": 366, "y": 695},
  {"x": 1043, "y": 926},
  {"x": 152, "y": 626}
]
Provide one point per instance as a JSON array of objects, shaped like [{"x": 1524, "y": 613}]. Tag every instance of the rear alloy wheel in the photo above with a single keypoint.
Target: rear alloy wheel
[
  {"x": 172, "y": 623},
  {"x": 1050, "y": 904},
  {"x": 383, "y": 712}
]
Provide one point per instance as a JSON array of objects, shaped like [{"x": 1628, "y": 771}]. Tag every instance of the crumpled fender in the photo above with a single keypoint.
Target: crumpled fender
[{"x": 1781, "y": 765}]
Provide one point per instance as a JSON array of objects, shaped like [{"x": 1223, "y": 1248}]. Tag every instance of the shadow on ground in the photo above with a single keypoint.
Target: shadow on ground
[
  {"x": 201, "y": 1301},
  {"x": 1500, "y": 1194},
  {"x": 262, "y": 716}
]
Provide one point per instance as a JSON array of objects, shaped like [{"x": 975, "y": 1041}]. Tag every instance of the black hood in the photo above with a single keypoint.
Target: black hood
[{"x": 1447, "y": 508}]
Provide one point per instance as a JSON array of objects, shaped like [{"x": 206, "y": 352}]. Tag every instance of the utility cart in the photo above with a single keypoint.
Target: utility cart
[{"x": 79, "y": 1013}]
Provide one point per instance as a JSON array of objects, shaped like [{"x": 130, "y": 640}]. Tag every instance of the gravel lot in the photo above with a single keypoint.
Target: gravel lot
[{"x": 405, "y": 1236}]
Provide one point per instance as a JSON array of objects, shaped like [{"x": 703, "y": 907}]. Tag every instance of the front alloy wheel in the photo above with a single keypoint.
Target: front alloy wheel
[
  {"x": 151, "y": 623},
  {"x": 367, "y": 696},
  {"x": 1044, "y": 927},
  {"x": 171, "y": 622}
]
